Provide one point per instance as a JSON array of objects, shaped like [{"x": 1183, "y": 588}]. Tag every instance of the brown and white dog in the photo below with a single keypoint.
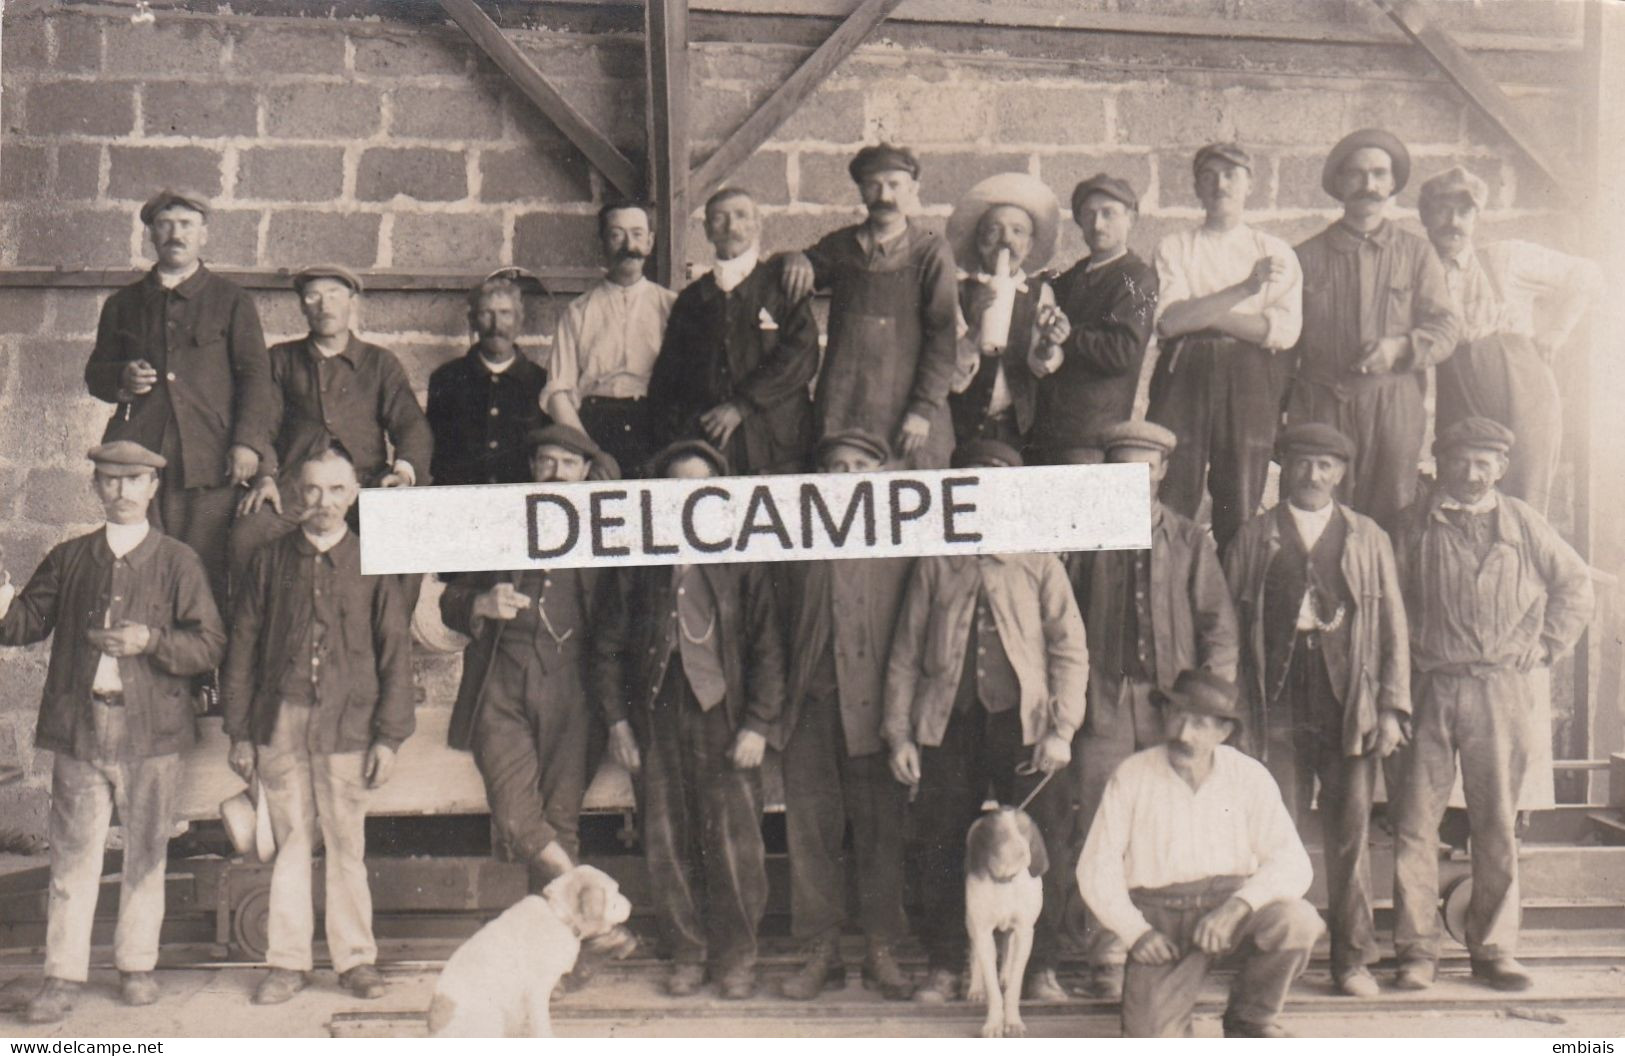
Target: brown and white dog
[
  {"x": 499, "y": 984},
  {"x": 1005, "y": 862}
]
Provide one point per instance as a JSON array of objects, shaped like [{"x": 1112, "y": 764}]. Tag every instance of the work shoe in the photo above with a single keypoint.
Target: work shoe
[
  {"x": 1358, "y": 983},
  {"x": 822, "y": 970},
  {"x": 1042, "y": 986},
  {"x": 53, "y": 1002},
  {"x": 1106, "y": 983},
  {"x": 1415, "y": 975},
  {"x": 1235, "y": 1028},
  {"x": 364, "y": 982},
  {"x": 1503, "y": 973},
  {"x": 685, "y": 980},
  {"x": 882, "y": 972},
  {"x": 138, "y": 988},
  {"x": 279, "y": 986},
  {"x": 941, "y": 986},
  {"x": 737, "y": 984}
]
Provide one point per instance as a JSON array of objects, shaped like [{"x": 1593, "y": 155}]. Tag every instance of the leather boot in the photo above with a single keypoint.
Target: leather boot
[
  {"x": 822, "y": 970},
  {"x": 53, "y": 1002},
  {"x": 882, "y": 972}
]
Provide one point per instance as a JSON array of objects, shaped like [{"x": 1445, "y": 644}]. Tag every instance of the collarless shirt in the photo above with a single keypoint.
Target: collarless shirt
[
  {"x": 121, "y": 539},
  {"x": 730, "y": 273},
  {"x": 1200, "y": 262},
  {"x": 608, "y": 340}
]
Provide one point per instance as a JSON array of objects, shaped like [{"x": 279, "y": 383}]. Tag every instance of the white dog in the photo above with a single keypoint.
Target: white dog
[
  {"x": 500, "y": 982},
  {"x": 1005, "y": 862}
]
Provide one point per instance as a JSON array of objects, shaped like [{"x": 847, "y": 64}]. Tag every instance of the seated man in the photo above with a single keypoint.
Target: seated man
[{"x": 1192, "y": 856}]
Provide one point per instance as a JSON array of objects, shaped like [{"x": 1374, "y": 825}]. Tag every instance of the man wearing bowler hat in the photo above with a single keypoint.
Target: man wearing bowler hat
[
  {"x": 1192, "y": 858},
  {"x": 1327, "y": 667},
  {"x": 1495, "y": 596},
  {"x": 995, "y": 393},
  {"x": 131, "y": 621},
  {"x": 1377, "y": 314}
]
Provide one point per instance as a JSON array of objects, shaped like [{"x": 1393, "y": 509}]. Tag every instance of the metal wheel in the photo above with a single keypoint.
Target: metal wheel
[
  {"x": 251, "y": 923},
  {"x": 1457, "y": 894}
]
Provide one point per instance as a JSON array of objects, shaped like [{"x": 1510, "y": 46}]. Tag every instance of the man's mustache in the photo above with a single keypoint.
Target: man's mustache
[
  {"x": 174, "y": 243},
  {"x": 1367, "y": 196},
  {"x": 630, "y": 253}
]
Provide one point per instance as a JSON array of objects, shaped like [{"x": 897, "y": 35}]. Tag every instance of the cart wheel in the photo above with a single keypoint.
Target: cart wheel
[
  {"x": 1457, "y": 894},
  {"x": 251, "y": 924}
]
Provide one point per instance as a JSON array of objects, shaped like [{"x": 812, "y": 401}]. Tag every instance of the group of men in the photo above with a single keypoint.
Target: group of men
[{"x": 900, "y": 693}]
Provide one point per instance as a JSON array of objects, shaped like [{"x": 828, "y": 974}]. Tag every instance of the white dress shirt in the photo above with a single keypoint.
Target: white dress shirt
[
  {"x": 607, "y": 342},
  {"x": 1500, "y": 288},
  {"x": 1200, "y": 262},
  {"x": 1153, "y": 830},
  {"x": 121, "y": 539}
]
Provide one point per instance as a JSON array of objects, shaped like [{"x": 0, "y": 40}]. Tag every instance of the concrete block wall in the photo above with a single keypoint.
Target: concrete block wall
[{"x": 394, "y": 146}]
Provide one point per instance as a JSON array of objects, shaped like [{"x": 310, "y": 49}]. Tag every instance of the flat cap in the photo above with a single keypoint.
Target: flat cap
[
  {"x": 986, "y": 452},
  {"x": 564, "y": 436},
  {"x": 1144, "y": 434},
  {"x": 327, "y": 271},
  {"x": 1110, "y": 186},
  {"x": 166, "y": 198},
  {"x": 883, "y": 157},
  {"x": 1205, "y": 693},
  {"x": 1315, "y": 438},
  {"x": 859, "y": 439},
  {"x": 1474, "y": 432},
  {"x": 1453, "y": 182},
  {"x": 1380, "y": 138},
  {"x": 125, "y": 458},
  {"x": 1234, "y": 153},
  {"x": 687, "y": 449}
]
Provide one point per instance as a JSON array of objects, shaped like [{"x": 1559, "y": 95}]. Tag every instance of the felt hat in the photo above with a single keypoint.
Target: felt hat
[
  {"x": 1204, "y": 693},
  {"x": 1024, "y": 192},
  {"x": 1380, "y": 138}
]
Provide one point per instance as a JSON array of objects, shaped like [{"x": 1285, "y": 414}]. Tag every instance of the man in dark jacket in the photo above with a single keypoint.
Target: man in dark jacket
[
  {"x": 1110, "y": 299},
  {"x": 131, "y": 620},
  {"x": 738, "y": 353},
  {"x": 319, "y": 697},
  {"x": 182, "y": 354},
  {"x": 688, "y": 666},
  {"x": 1150, "y": 614}
]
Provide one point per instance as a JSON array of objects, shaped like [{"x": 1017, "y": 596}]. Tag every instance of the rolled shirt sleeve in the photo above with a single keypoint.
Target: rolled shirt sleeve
[{"x": 564, "y": 371}]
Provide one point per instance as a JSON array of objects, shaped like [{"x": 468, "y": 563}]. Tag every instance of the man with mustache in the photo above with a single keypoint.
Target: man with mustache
[
  {"x": 1519, "y": 303},
  {"x": 318, "y": 686},
  {"x": 607, "y": 341},
  {"x": 890, "y": 356},
  {"x": 1229, "y": 308},
  {"x": 1327, "y": 665},
  {"x": 738, "y": 353},
  {"x": 131, "y": 621},
  {"x": 1377, "y": 314},
  {"x": 1493, "y": 594},
  {"x": 182, "y": 354}
]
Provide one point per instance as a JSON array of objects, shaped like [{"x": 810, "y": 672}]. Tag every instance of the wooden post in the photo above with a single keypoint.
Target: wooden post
[{"x": 666, "y": 51}]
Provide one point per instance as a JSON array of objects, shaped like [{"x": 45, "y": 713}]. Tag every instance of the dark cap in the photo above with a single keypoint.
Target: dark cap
[
  {"x": 1380, "y": 138},
  {"x": 1234, "y": 153},
  {"x": 1110, "y": 186},
  {"x": 1148, "y": 435},
  {"x": 859, "y": 439},
  {"x": 986, "y": 453},
  {"x": 883, "y": 157},
  {"x": 687, "y": 449},
  {"x": 125, "y": 458},
  {"x": 1474, "y": 432},
  {"x": 1315, "y": 438},
  {"x": 327, "y": 271},
  {"x": 1204, "y": 693},
  {"x": 564, "y": 436},
  {"x": 166, "y": 198}
]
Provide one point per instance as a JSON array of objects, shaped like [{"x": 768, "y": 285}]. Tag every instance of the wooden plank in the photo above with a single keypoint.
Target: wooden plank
[
  {"x": 557, "y": 280},
  {"x": 603, "y": 154},
  {"x": 666, "y": 56},
  {"x": 778, "y": 107},
  {"x": 1484, "y": 94}
]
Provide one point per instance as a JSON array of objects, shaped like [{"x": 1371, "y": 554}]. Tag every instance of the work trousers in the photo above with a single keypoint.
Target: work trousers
[
  {"x": 200, "y": 518},
  {"x": 1272, "y": 948},
  {"x": 702, "y": 832},
  {"x": 1483, "y": 721},
  {"x": 1385, "y": 418},
  {"x": 979, "y": 750},
  {"x": 1222, "y": 399},
  {"x": 621, "y": 426},
  {"x": 825, "y": 789},
  {"x": 1303, "y": 742},
  {"x": 1503, "y": 377},
  {"x": 83, "y": 795},
  {"x": 305, "y": 789}
]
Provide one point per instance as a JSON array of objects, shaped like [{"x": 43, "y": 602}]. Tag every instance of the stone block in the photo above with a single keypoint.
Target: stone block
[
  {"x": 1176, "y": 183},
  {"x": 1298, "y": 116},
  {"x": 290, "y": 174},
  {"x": 59, "y": 496},
  {"x": 1554, "y": 117},
  {"x": 25, "y": 44},
  {"x": 765, "y": 175},
  {"x": 322, "y": 111},
  {"x": 424, "y": 52},
  {"x": 78, "y": 170},
  {"x": 1063, "y": 172},
  {"x": 1300, "y": 184},
  {"x": 577, "y": 59},
  {"x": 73, "y": 238},
  {"x": 823, "y": 179},
  {"x": 614, "y": 108},
  {"x": 13, "y": 102},
  {"x": 135, "y": 173},
  {"x": 308, "y": 234},
  {"x": 285, "y": 50},
  {"x": 445, "y": 113},
  {"x": 22, "y": 311},
  {"x": 535, "y": 172},
  {"x": 440, "y": 240},
  {"x": 25, "y": 171},
  {"x": 423, "y": 173},
  {"x": 52, "y": 371},
  {"x": 944, "y": 178},
  {"x": 917, "y": 114},
  {"x": 280, "y": 314},
  {"x": 78, "y": 45},
  {"x": 1173, "y": 115},
  {"x": 391, "y": 312},
  {"x": 1045, "y": 115},
  {"x": 541, "y": 240},
  {"x": 1177, "y": 8},
  {"x": 80, "y": 108},
  {"x": 714, "y": 113},
  {"x": 828, "y": 116},
  {"x": 76, "y": 311},
  {"x": 169, "y": 46},
  {"x": 784, "y": 232},
  {"x": 1418, "y": 115},
  {"x": 180, "y": 108}
]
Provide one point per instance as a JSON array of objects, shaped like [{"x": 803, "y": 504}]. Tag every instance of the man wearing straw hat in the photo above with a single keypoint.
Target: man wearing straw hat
[{"x": 131, "y": 621}]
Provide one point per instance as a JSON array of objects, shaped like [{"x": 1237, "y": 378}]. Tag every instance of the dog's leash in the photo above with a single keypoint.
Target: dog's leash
[{"x": 1026, "y": 769}]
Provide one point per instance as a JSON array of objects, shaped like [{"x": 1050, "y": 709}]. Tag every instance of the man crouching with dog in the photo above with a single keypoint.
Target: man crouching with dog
[{"x": 1192, "y": 857}]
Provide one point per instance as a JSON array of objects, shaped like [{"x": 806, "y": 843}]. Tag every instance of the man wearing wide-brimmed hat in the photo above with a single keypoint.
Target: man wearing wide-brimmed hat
[
  {"x": 1228, "y": 309},
  {"x": 1377, "y": 314},
  {"x": 1519, "y": 303},
  {"x": 1193, "y": 857},
  {"x": 1003, "y": 231},
  {"x": 131, "y": 621}
]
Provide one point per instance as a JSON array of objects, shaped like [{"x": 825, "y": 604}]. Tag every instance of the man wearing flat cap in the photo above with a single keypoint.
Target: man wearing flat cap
[
  {"x": 839, "y": 617},
  {"x": 131, "y": 621},
  {"x": 1110, "y": 299},
  {"x": 688, "y": 666},
  {"x": 738, "y": 353},
  {"x": 1495, "y": 596},
  {"x": 1377, "y": 314},
  {"x": 1150, "y": 614},
  {"x": 1326, "y": 668},
  {"x": 1002, "y": 232},
  {"x": 1519, "y": 303},
  {"x": 1192, "y": 858},
  {"x": 331, "y": 386},
  {"x": 182, "y": 354},
  {"x": 890, "y": 357},
  {"x": 985, "y": 689},
  {"x": 1229, "y": 307}
]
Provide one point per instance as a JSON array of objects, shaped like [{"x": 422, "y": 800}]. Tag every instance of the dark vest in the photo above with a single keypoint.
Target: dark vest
[
  {"x": 987, "y": 677},
  {"x": 970, "y": 407},
  {"x": 1291, "y": 572}
]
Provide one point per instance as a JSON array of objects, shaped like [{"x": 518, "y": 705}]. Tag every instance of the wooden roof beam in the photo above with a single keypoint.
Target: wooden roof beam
[{"x": 666, "y": 58}]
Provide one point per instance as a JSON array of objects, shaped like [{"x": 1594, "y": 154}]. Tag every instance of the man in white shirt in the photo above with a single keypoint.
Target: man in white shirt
[
  {"x": 1192, "y": 857},
  {"x": 607, "y": 343},
  {"x": 1231, "y": 302}
]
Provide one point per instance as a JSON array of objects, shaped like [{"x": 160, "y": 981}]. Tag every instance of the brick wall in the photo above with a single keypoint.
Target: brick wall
[{"x": 394, "y": 146}]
